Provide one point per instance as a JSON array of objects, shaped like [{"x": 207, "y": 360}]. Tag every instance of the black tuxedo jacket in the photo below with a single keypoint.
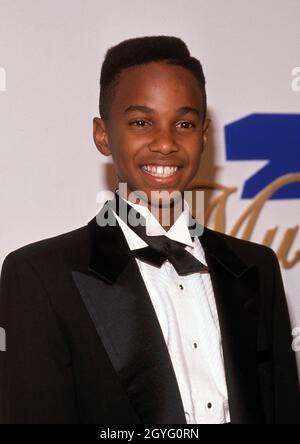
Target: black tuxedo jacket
[{"x": 84, "y": 345}]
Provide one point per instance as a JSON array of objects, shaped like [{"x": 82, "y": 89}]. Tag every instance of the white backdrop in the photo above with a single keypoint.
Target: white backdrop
[{"x": 50, "y": 58}]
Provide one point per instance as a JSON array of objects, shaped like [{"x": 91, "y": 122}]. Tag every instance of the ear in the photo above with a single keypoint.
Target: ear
[
  {"x": 101, "y": 136},
  {"x": 205, "y": 128}
]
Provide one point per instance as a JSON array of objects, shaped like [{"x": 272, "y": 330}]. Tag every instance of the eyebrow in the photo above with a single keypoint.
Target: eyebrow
[{"x": 145, "y": 109}]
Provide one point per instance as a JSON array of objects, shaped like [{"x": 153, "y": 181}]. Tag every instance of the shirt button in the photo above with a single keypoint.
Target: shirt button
[
  {"x": 209, "y": 405},
  {"x": 195, "y": 345},
  {"x": 181, "y": 287}
]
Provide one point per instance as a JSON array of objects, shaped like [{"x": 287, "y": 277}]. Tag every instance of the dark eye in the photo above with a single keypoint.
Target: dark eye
[
  {"x": 186, "y": 125},
  {"x": 138, "y": 123}
]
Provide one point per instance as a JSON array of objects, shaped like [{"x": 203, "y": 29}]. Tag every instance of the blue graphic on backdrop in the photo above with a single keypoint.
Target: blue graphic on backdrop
[{"x": 272, "y": 137}]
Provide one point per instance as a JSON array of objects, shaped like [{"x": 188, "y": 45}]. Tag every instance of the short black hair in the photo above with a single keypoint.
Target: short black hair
[{"x": 139, "y": 51}]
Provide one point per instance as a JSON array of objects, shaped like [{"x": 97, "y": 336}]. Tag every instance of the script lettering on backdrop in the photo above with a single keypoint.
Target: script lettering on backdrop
[{"x": 215, "y": 212}]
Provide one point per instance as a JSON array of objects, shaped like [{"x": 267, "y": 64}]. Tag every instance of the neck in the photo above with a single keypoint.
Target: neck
[{"x": 166, "y": 214}]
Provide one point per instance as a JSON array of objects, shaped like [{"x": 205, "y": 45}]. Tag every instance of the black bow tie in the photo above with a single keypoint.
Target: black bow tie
[{"x": 160, "y": 248}]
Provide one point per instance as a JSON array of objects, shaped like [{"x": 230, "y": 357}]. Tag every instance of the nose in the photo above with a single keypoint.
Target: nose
[{"x": 163, "y": 142}]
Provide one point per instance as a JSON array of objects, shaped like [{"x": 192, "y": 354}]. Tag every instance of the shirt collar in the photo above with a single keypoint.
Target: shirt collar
[{"x": 179, "y": 230}]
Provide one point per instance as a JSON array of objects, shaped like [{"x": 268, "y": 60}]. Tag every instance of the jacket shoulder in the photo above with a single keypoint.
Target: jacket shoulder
[
  {"x": 69, "y": 245},
  {"x": 247, "y": 250}
]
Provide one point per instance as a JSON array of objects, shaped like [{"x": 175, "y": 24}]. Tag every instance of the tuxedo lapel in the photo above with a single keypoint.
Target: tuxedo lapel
[
  {"x": 236, "y": 289},
  {"x": 120, "y": 307}
]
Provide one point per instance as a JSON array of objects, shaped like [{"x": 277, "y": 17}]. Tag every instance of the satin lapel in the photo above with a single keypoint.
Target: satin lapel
[
  {"x": 236, "y": 289},
  {"x": 120, "y": 307}
]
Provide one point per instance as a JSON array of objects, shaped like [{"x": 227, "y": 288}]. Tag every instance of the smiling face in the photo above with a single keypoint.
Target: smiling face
[{"x": 155, "y": 133}]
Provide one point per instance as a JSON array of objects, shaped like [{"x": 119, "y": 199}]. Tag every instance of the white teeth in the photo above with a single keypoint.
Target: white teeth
[{"x": 160, "y": 171}]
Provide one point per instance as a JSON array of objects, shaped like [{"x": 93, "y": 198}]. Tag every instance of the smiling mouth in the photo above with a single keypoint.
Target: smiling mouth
[{"x": 161, "y": 171}]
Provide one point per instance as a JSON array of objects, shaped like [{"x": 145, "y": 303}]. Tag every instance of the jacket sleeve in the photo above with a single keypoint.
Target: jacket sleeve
[
  {"x": 36, "y": 384},
  {"x": 286, "y": 381}
]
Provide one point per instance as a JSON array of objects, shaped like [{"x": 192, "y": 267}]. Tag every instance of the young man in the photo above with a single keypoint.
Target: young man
[{"x": 120, "y": 323}]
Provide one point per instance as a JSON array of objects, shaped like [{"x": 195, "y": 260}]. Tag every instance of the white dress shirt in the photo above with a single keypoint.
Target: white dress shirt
[{"x": 186, "y": 309}]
